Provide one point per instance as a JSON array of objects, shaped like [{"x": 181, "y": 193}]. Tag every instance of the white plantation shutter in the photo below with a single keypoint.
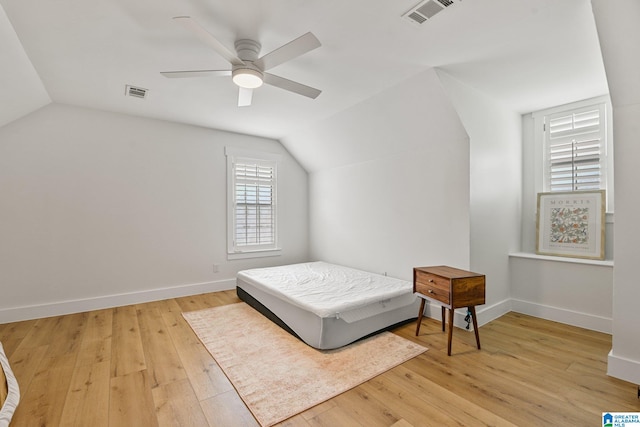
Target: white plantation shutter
[
  {"x": 575, "y": 149},
  {"x": 252, "y": 207},
  {"x": 254, "y": 216}
]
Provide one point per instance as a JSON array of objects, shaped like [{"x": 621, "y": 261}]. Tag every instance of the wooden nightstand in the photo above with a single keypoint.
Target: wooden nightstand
[{"x": 452, "y": 288}]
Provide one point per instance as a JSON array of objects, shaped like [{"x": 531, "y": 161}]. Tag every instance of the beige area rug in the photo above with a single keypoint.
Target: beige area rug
[{"x": 276, "y": 374}]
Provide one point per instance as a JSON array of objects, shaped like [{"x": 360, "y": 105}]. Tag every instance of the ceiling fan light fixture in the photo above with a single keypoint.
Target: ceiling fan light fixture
[{"x": 247, "y": 78}]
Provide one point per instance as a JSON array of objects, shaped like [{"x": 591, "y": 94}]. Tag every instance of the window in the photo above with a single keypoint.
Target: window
[
  {"x": 252, "y": 214},
  {"x": 577, "y": 148}
]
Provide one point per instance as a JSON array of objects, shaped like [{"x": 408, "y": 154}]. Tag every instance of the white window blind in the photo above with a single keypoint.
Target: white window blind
[
  {"x": 251, "y": 203},
  {"x": 575, "y": 145},
  {"x": 255, "y": 215}
]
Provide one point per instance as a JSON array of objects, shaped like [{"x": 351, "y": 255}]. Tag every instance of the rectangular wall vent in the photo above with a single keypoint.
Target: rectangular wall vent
[
  {"x": 416, "y": 17},
  {"x": 426, "y": 10},
  {"x": 136, "y": 92}
]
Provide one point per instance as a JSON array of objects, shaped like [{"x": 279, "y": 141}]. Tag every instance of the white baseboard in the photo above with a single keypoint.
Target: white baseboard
[
  {"x": 16, "y": 314},
  {"x": 485, "y": 314},
  {"x": 624, "y": 369},
  {"x": 569, "y": 317},
  {"x": 488, "y": 313}
]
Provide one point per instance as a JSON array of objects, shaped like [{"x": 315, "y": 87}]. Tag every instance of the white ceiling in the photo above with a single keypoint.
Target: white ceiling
[{"x": 530, "y": 54}]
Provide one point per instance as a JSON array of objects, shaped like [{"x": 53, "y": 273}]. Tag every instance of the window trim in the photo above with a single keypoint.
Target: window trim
[{"x": 233, "y": 155}]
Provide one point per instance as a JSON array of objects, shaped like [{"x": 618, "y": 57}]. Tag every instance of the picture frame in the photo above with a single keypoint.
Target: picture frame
[{"x": 571, "y": 224}]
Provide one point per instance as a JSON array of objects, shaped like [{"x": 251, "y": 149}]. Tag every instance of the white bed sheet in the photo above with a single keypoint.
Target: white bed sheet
[{"x": 329, "y": 290}]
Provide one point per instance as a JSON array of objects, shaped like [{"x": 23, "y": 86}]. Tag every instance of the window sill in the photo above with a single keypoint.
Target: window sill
[
  {"x": 254, "y": 254},
  {"x": 604, "y": 263}
]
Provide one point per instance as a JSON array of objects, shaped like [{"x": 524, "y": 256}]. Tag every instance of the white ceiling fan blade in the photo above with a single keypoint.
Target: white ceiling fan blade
[
  {"x": 196, "y": 73},
  {"x": 291, "y": 86},
  {"x": 293, "y": 49},
  {"x": 244, "y": 97},
  {"x": 191, "y": 25}
]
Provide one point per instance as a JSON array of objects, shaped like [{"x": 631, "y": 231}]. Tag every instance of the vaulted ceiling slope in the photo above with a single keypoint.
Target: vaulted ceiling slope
[
  {"x": 529, "y": 54},
  {"x": 21, "y": 88}
]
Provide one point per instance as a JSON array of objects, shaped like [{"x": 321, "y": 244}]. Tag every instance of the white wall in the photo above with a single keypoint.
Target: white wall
[
  {"x": 567, "y": 291},
  {"x": 619, "y": 35},
  {"x": 495, "y": 188},
  {"x": 404, "y": 200},
  {"x": 100, "y": 209}
]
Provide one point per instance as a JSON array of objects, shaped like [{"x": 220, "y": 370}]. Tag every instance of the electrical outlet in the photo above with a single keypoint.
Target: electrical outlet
[{"x": 216, "y": 268}]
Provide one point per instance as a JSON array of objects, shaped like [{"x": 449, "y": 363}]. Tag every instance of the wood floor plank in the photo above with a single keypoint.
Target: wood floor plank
[
  {"x": 336, "y": 416},
  {"x": 68, "y": 335},
  {"x": 43, "y": 332},
  {"x": 365, "y": 408},
  {"x": 196, "y": 302},
  {"x": 12, "y": 334},
  {"x": 226, "y": 297},
  {"x": 131, "y": 402},
  {"x": 95, "y": 346},
  {"x": 87, "y": 402},
  {"x": 161, "y": 358},
  {"x": 227, "y": 410},
  {"x": 43, "y": 401},
  {"x": 318, "y": 409},
  {"x": 177, "y": 405},
  {"x": 127, "y": 353},
  {"x": 24, "y": 364},
  {"x": 205, "y": 375},
  {"x": 295, "y": 421}
]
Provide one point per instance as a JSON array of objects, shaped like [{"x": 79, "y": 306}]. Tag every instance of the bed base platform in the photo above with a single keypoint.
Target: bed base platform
[
  {"x": 244, "y": 296},
  {"x": 250, "y": 300}
]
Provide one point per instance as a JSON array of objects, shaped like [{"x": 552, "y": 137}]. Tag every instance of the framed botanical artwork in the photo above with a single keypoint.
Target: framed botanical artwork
[{"x": 571, "y": 224}]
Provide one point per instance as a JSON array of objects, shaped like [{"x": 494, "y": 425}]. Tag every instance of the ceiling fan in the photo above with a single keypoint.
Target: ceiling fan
[{"x": 248, "y": 71}]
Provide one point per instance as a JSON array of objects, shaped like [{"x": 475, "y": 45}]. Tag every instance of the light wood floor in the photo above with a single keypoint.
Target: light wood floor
[{"x": 143, "y": 366}]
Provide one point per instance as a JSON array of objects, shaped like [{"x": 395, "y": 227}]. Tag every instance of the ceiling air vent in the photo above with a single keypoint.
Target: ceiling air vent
[
  {"x": 426, "y": 10},
  {"x": 136, "y": 92}
]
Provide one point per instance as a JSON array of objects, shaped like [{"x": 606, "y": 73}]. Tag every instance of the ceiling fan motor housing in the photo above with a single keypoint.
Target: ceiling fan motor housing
[{"x": 247, "y": 50}]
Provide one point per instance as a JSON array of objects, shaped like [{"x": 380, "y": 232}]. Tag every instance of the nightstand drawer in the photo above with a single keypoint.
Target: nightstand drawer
[
  {"x": 433, "y": 280},
  {"x": 433, "y": 290}
]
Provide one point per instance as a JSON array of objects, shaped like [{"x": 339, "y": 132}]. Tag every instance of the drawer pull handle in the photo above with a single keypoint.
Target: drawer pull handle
[
  {"x": 430, "y": 280},
  {"x": 430, "y": 291}
]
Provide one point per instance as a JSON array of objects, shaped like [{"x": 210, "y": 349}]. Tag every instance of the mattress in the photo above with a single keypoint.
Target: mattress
[{"x": 326, "y": 305}]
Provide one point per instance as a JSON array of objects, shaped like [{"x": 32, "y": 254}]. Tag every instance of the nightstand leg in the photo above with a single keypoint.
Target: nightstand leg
[
  {"x": 444, "y": 309},
  {"x": 420, "y": 314},
  {"x": 475, "y": 325},
  {"x": 450, "y": 331}
]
